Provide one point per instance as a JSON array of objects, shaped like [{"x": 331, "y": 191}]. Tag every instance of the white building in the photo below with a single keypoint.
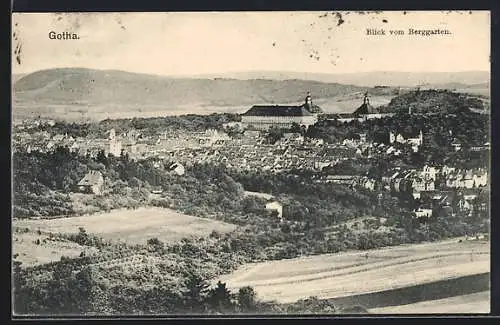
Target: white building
[
  {"x": 177, "y": 169},
  {"x": 275, "y": 206},
  {"x": 115, "y": 145},
  {"x": 429, "y": 172},
  {"x": 480, "y": 178},
  {"x": 423, "y": 213},
  {"x": 263, "y": 117},
  {"x": 414, "y": 142}
]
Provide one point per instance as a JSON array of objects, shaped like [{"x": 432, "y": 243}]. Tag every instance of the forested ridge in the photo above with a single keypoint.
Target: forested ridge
[{"x": 433, "y": 101}]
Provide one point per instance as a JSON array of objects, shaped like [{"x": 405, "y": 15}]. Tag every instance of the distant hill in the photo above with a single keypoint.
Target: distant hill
[
  {"x": 456, "y": 85},
  {"x": 372, "y": 79},
  {"x": 434, "y": 101},
  {"x": 113, "y": 93},
  {"x": 78, "y": 93},
  {"x": 481, "y": 90},
  {"x": 17, "y": 76}
]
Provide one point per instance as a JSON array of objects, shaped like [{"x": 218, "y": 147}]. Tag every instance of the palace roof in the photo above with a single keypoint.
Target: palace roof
[{"x": 279, "y": 110}]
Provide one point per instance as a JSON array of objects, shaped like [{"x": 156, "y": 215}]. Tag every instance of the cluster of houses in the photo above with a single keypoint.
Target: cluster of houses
[
  {"x": 249, "y": 157},
  {"x": 45, "y": 142},
  {"x": 457, "y": 145},
  {"x": 394, "y": 148},
  {"x": 251, "y": 153},
  {"x": 350, "y": 180},
  {"x": 416, "y": 181},
  {"x": 467, "y": 178},
  {"x": 93, "y": 181},
  {"x": 443, "y": 187},
  {"x": 133, "y": 143},
  {"x": 27, "y": 124},
  {"x": 446, "y": 202},
  {"x": 414, "y": 142}
]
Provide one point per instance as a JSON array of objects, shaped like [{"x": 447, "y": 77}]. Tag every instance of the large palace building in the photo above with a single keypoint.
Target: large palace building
[{"x": 262, "y": 117}]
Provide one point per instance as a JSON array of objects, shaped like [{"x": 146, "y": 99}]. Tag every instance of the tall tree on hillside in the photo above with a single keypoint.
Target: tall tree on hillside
[
  {"x": 101, "y": 158},
  {"x": 195, "y": 292},
  {"x": 19, "y": 290},
  {"x": 219, "y": 298},
  {"x": 247, "y": 298}
]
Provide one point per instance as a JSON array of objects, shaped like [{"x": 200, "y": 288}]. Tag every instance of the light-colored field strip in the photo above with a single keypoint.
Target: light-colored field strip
[
  {"x": 346, "y": 274},
  {"x": 448, "y": 258},
  {"x": 467, "y": 304},
  {"x": 325, "y": 262},
  {"x": 134, "y": 226},
  {"x": 30, "y": 253},
  {"x": 392, "y": 277}
]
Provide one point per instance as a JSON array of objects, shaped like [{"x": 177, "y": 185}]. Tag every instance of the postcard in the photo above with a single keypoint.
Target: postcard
[{"x": 251, "y": 163}]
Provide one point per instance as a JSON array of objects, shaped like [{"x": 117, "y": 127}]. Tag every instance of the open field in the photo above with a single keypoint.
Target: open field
[
  {"x": 30, "y": 253},
  {"x": 132, "y": 226},
  {"x": 471, "y": 303},
  {"x": 354, "y": 273}
]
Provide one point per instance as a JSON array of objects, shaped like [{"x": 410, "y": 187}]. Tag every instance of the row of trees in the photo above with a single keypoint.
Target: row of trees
[{"x": 146, "y": 126}]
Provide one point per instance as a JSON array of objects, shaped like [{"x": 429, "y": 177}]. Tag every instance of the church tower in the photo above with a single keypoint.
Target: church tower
[
  {"x": 308, "y": 102},
  {"x": 115, "y": 146}
]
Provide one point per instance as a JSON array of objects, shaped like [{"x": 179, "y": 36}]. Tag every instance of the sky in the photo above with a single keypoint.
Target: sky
[{"x": 215, "y": 42}]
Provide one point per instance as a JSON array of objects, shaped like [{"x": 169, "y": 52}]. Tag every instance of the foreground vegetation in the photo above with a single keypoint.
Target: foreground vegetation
[
  {"x": 177, "y": 284},
  {"x": 175, "y": 281}
]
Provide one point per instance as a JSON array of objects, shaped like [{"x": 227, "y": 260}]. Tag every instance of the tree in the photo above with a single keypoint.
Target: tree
[
  {"x": 156, "y": 245},
  {"x": 82, "y": 237},
  {"x": 246, "y": 298},
  {"x": 84, "y": 290},
  {"x": 303, "y": 131},
  {"x": 101, "y": 157},
  {"x": 274, "y": 134},
  {"x": 295, "y": 127},
  {"x": 195, "y": 292},
  {"x": 219, "y": 297},
  {"x": 18, "y": 288}
]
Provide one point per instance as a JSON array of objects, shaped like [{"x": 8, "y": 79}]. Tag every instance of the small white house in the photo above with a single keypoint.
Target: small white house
[
  {"x": 456, "y": 145},
  {"x": 480, "y": 179},
  {"x": 429, "y": 172},
  {"x": 369, "y": 184},
  {"x": 177, "y": 169},
  {"x": 92, "y": 182},
  {"x": 275, "y": 206},
  {"x": 423, "y": 213}
]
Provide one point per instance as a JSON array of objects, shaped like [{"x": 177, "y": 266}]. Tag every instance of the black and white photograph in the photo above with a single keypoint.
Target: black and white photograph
[{"x": 250, "y": 163}]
